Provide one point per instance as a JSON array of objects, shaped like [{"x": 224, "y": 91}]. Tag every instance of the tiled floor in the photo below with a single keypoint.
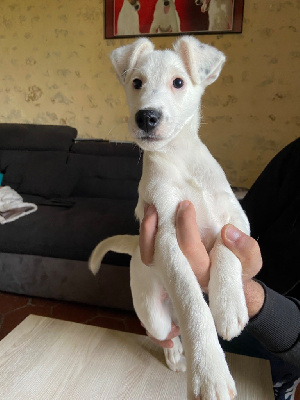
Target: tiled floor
[{"x": 15, "y": 308}]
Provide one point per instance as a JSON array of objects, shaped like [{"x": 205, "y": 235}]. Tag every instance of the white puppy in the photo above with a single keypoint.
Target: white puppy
[
  {"x": 163, "y": 90},
  {"x": 220, "y": 13},
  {"x": 165, "y": 17},
  {"x": 128, "y": 20}
]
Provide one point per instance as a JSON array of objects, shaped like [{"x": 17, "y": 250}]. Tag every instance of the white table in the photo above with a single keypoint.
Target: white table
[{"x": 49, "y": 359}]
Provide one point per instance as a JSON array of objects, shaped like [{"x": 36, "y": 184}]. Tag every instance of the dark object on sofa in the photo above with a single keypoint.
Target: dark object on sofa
[{"x": 85, "y": 190}]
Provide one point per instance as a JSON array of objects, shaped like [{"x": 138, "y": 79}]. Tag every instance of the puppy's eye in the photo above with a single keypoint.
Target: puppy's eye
[
  {"x": 137, "y": 83},
  {"x": 178, "y": 83}
]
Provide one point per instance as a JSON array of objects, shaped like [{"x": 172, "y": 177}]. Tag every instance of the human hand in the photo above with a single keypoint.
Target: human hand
[{"x": 189, "y": 240}]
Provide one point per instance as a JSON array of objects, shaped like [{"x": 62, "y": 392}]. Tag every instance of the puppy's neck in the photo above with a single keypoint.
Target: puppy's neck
[{"x": 182, "y": 148}]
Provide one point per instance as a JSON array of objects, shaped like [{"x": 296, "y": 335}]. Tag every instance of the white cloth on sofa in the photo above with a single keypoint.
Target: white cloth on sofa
[{"x": 12, "y": 206}]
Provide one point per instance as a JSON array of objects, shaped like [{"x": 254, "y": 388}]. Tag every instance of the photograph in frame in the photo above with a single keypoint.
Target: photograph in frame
[{"x": 131, "y": 18}]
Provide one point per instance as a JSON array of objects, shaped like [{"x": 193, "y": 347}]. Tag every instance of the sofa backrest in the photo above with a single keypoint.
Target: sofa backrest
[
  {"x": 47, "y": 161},
  {"x": 33, "y": 158},
  {"x": 36, "y": 137},
  {"x": 106, "y": 169}
]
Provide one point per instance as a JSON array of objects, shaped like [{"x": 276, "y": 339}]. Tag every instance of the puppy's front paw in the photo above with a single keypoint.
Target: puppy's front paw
[
  {"x": 175, "y": 358},
  {"x": 214, "y": 381},
  {"x": 229, "y": 312}
]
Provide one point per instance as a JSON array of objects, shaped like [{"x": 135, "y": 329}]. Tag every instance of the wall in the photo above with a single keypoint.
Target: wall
[{"x": 54, "y": 69}]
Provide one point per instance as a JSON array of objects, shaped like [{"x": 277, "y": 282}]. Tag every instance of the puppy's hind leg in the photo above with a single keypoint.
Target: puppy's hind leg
[
  {"x": 153, "y": 308},
  {"x": 174, "y": 356}
]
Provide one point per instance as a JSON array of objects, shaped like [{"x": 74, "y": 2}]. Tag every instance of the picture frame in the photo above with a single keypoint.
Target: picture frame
[{"x": 133, "y": 18}]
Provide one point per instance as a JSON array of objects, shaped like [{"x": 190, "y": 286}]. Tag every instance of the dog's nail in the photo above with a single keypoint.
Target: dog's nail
[{"x": 232, "y": 233}]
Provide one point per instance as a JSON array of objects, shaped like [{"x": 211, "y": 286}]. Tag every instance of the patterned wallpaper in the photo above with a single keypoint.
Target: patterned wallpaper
[{"x": 55, "y": 69}]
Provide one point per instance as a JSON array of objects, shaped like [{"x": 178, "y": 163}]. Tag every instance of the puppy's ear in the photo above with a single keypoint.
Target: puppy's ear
[
  {"x": 125, "y": 58},
  {"x": 203, "y": 62}
]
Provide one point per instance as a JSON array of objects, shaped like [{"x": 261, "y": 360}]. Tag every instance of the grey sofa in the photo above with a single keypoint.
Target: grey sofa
[{"x": 85, "y": 190}]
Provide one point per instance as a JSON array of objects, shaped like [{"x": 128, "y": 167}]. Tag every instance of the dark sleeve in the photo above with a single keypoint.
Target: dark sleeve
[
  {"x": 273, "y": 208},
  {"x": 277, "y": 326}
]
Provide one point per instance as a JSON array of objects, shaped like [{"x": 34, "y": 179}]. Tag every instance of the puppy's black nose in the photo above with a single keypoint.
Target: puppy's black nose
[{"x": 147, "y": 120}]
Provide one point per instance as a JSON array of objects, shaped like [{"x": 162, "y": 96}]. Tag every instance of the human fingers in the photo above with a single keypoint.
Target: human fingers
[
  {"x": 245, "y": 248},
  {"x": 190, "y": 243},
  {"x": 167, "y": 343},
  {"x": 148, "y": 231}
]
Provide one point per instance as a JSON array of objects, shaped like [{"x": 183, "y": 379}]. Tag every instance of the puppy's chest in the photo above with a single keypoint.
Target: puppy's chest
[
  {"x": 181, "y": 181},
  {"x": 194, "y": 182},
  {"x": 204, "y": 195}
]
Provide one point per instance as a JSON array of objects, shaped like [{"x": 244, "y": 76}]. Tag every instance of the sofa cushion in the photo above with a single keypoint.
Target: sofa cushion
[
  {"x": 43, "y": 173},
  {"x": 70, "y": 228}
]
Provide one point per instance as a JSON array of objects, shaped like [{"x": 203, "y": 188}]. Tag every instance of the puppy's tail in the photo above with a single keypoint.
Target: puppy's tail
[{"x": 119, "y": 243}]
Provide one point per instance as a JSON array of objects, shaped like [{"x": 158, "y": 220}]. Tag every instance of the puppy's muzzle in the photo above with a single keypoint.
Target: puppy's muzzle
[
  {"x": 147, "y": 120},
  {"x": 135, "y": 4}
]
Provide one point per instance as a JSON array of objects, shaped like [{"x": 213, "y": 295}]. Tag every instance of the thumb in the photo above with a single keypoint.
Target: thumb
[{"x": 245, "y": 248}]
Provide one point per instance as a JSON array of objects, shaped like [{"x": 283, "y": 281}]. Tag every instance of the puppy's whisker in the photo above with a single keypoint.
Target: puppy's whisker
[
  {"x": 111, "y": 129},
  {"x": 141, "y": 154},
  {"x": 129, "y": 70}
]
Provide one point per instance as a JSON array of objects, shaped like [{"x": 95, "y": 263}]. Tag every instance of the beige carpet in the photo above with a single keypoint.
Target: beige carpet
[{"x": 47, "y": 359}]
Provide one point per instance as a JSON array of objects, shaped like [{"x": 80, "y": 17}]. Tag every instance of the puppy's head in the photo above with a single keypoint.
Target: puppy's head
[
  {"x": 135, "y": 4},
  {"x": 164, "y": 88}
]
